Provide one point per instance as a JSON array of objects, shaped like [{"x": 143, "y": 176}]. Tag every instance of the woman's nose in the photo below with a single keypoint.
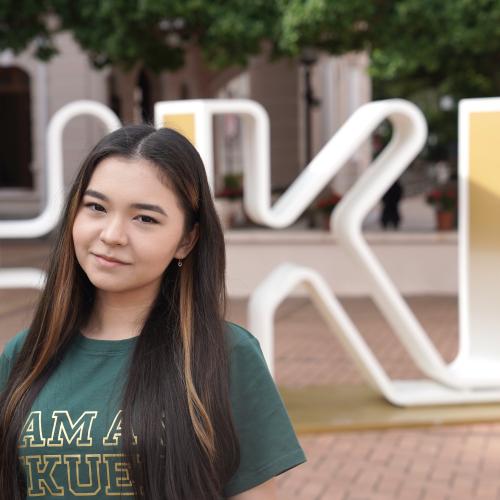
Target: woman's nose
[{"x": 114, "y": 232}]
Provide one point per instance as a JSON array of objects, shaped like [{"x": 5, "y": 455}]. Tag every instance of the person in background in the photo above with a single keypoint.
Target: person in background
[{"x": 390, "y": 206}]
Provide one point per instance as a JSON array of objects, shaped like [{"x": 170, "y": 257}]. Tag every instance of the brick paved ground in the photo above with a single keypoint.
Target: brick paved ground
[{"x": 453, "y": 463}]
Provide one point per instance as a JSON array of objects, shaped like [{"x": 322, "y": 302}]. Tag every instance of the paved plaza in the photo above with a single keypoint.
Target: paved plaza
[{"x": 432, "y": 463}]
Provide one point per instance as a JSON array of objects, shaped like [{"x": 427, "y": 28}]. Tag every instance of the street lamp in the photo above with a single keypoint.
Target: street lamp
[{"x": 307, "y": 59}]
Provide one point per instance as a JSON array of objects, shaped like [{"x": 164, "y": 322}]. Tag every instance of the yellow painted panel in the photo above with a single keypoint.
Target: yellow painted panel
[
  {"x": 484, "y": 182},
  {"x": 183, "y": 123},
  {"x": 483, "y": 270},
  {"x": 341, "y": 408}
]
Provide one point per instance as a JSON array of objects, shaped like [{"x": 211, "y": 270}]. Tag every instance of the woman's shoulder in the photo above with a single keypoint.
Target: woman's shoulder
[
  {"x": 236, "y": 335},
  {"x": 245, "y": 352},
  {"x": 15, "y": 344}
]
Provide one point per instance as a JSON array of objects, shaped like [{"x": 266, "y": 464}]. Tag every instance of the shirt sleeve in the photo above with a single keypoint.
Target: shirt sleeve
[
  {"x": 268, "y": 444},
  {"x": 7, "y": 358},
  {"x": 5, "y": 367}
]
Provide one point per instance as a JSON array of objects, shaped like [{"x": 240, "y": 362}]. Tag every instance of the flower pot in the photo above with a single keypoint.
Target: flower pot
[
  {"x": 326, "y": 221},
  {"x": 230, "y": 212},
  {"x": 445, "y": 220}
]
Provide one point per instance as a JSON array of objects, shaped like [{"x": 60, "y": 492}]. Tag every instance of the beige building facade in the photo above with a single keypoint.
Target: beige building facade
[{"x": 341, "y": 85}]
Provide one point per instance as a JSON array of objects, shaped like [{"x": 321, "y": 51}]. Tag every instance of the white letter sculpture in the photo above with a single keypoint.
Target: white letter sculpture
[{"x": 475, "y": 375}]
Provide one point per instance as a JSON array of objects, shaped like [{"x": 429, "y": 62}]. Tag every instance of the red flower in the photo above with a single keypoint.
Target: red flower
[
  {"x": 327, "y": 203},
  {"x": 230, "y": 193},
  {"x": 444, "y": 199}
]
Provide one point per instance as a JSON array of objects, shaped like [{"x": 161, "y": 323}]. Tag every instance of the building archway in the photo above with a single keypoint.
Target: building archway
[{"x": 16, "y": 151}]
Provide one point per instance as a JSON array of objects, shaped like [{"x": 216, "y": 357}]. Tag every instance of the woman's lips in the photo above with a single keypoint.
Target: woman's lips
[{"x": 109, "y": 261}]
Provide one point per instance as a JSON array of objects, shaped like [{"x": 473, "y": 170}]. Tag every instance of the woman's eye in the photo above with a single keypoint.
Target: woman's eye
[
  {"x": 147, "y": 219},
  {"x": 95, "y": 207}
]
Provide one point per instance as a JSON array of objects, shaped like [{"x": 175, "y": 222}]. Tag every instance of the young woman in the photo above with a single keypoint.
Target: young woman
[{"x": 129, "y": 383}]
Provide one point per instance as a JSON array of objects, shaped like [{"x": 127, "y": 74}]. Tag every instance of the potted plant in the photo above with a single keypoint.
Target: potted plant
[
  {"x": 229, "y": 201},
  {"x": 232, "y": 188},
  {"x": 324, "y": 207},
  {"x": 444, "y": 200}
]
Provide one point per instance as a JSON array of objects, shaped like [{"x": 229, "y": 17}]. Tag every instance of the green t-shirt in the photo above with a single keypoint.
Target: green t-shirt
[{"x": 70, "y": 443}]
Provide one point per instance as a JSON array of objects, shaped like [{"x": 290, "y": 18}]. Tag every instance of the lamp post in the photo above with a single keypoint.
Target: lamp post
[{"x": 307, "y": 59}]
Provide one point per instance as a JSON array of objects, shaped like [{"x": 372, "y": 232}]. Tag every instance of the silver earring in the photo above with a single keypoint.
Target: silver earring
[{"x": 179, "y": 263}]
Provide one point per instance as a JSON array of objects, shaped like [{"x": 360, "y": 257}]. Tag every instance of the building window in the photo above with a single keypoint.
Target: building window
[{"x": 15, "y": 129}]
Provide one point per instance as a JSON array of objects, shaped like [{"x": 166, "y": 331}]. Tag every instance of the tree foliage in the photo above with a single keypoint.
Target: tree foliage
[
  {"x": 23, "y": 22},
  {"x": 334, "y": 26},
  {"x": 153, "y": 32},
  {"x": 452, "y": 46},
  {"x": 422, "y": 50}
]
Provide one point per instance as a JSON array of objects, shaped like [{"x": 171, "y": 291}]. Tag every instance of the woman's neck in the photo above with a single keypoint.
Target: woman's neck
[{"x": 116, "y": 317}]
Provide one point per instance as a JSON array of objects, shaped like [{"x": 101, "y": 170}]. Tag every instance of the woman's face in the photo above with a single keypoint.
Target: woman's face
[{"x": 129, "y": 227}]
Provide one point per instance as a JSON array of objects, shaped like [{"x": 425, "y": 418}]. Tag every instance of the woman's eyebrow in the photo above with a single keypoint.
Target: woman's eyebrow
[
  {"x": 148, "y": 206},
  {"x": 140, "y": 206},
  {"x": 96, "y": 194}
]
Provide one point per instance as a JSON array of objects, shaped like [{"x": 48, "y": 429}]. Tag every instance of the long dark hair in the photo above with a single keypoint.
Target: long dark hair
[{"x": 176, "y": 398}]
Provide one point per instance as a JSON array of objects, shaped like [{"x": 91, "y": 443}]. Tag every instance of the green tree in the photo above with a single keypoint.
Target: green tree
[
  {"x": 23, "y": 22},
  {"x": 421, "y": 50},
  {"x": 335, "y": 26},
  {"x": 435, "y": 50},
  {"x": 450, "y": 45}
]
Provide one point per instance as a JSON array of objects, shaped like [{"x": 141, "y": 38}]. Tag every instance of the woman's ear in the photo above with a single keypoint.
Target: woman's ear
[{"x": 187, "y": 243}]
